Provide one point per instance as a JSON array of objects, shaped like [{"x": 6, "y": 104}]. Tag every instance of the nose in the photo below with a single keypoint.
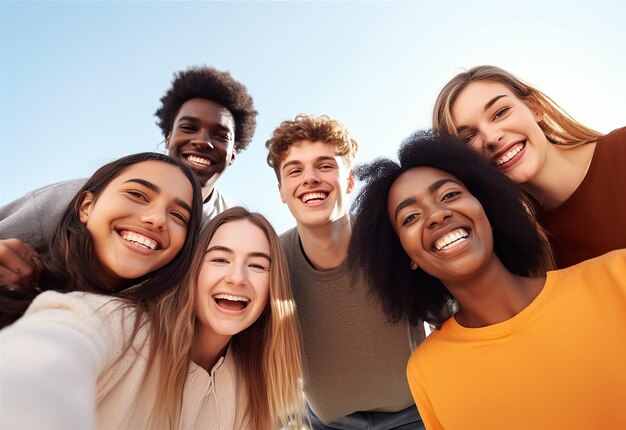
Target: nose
[
  {"x": 311, "y": 176},
  {"x": 203, "y": 140},
  {"x": 236, "y": 274},
  {"x": 155, "y": 217},
  {"x": 437, "y": 215},
  {"x": 491, "y": 137}
]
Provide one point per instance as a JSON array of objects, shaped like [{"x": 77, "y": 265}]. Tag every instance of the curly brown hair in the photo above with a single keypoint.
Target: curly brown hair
[
  {"x": 313, "y": 128},
  {"x": 211, "y": 84}
]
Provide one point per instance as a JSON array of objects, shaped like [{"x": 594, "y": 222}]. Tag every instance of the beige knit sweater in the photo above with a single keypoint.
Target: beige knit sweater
[{"x": 63, "y": 366}]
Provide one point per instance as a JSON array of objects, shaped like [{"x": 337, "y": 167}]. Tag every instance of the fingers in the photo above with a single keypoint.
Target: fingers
[{"x": 20, "y": 264}]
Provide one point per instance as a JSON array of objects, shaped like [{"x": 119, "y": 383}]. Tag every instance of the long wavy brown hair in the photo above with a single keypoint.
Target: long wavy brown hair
[{"x": 69, "y": 261}]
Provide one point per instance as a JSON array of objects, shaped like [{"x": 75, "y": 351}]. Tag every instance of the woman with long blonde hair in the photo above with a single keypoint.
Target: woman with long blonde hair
[
  {"x": 573, "y": 173},
  {"x": 265, "y": 354}
]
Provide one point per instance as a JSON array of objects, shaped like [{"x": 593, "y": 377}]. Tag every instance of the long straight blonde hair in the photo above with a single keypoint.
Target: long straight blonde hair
[
  {"x": 558, "y": 126},
  {"x": 267, "y": 354}
]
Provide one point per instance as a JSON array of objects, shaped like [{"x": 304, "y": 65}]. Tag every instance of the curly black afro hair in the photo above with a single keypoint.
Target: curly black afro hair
[
  {"x": 211, "y": 84},
  {"x": 375, "y": 247}
]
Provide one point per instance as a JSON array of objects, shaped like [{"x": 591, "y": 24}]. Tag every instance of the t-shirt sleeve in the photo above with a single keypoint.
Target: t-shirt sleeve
[
  {"x": 419, "y": 392},
  {"x": 50, "y": 360}
]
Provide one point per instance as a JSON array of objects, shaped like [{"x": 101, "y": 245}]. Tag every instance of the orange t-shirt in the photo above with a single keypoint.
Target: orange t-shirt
[{"x": 558, "y": 364}]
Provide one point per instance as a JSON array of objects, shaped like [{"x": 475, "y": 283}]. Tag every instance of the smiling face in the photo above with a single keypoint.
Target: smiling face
[
  {"x": 441, "y": 225},
  {"x": 138, "y": 223},
  {"x": 203, "y": 137},
  {"x": 503, "y": 128},
  {"x": 315, "y": 183},
  {"x": 233, "y": 284}
]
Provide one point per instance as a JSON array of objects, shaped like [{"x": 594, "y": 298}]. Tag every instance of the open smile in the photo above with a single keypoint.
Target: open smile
[
  {"x": 139, "y": 242},
  {"x": 313, "y": 198},
  {"x": 231, "y": 303},
  {"x": 509, "y": 157},
  {"x": 452, "y": 241}
]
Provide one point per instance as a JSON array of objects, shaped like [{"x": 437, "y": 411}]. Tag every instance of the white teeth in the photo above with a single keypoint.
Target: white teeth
[
  {"x": 199, "y": 160},
  {"x": 313, "y": 196},
  {"x": 231, "y": 298},
  {"x": 510, "y": 154},
  {"x": 139, "y": 239},
  {"x": 450, "y": 238}
]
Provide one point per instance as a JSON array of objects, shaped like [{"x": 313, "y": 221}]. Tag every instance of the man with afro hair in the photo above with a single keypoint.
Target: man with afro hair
[{"x": 206, "y": 117}]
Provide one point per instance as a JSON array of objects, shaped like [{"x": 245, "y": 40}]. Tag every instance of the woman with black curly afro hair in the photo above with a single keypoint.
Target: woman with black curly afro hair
[{"x": 446, "y": 238}]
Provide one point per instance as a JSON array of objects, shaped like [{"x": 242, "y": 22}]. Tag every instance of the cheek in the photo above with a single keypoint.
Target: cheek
[
  {"x": 412, "y": 246},
  {"x": 178, "y": 234},
  {"x": 262, "y": 296}
]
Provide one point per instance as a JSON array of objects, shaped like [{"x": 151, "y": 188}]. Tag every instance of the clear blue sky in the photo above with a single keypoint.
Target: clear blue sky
[{"x": 80, "y": 81}]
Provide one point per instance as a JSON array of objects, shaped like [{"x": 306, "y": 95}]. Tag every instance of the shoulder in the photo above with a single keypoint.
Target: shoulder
[
  {"x": 607, "y": 268},
  {"x": 32, "y": 217},
  {"x": 92, "y": 315},
  {"x": 614, "y": 140},
  {"x": 289, "y": 238},
  {"x": 65, "y": 188}
]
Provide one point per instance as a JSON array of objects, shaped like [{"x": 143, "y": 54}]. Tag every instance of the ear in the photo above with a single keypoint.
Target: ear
[
  {"x": 85, "y": 206},
  {"x": 351, "y": 182},
  {"x": 414, "y": 265},
  {"x": 232, "y": 157},
  {"x": 280, "y": 191},
  {"x": 167, "y": 141}
]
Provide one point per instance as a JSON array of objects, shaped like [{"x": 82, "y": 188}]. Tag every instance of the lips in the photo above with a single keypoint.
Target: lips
[
  {"x": 230, "y": 302},
  {"x": 504, "y": 159},
  {"x": 141, "y": 242},
  {"x": 312, "y": 197},
  {"x": 199, "y": 161},
  {"x": 451, "y": 239}
]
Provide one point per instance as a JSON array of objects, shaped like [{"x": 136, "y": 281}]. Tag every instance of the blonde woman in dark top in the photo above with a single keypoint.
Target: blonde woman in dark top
[{"x": 573, "y": 174}]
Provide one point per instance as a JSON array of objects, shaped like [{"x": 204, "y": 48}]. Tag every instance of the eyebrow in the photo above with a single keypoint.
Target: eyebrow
[
  {"x": 317, "y": 160},
  {"x": 431, "y": 189},
  {"x": 196, "y": 119},
  {"x": 153, "y": 187},
  {"x": 230, "y": 251},
  {"x": 487, "y": 106}
]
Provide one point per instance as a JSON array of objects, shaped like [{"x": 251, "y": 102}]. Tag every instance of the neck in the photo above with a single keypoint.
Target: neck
[
  {"x": 493, "y": 296},
  {"x": 562, "y": 172},
  {"x": 207, "y": 190},
  {"x": 326, "y": 246},
  {"x": 208, "y": 347}
]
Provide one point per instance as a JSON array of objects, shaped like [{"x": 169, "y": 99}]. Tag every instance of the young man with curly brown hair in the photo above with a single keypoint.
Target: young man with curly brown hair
[{"x": 355, "y": 359}]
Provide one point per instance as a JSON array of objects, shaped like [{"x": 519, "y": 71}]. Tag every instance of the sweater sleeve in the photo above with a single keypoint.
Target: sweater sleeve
[
  {"x": 50, "y": 360},
  {"x": 33, "y": 217}
]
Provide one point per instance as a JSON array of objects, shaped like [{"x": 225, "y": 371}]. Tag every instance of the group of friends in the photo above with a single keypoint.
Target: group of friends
[{"x": 143, "y": 297}]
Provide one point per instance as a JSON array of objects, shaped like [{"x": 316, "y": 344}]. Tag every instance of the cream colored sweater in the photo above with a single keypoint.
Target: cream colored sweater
[{"x": 63, "y": 366}]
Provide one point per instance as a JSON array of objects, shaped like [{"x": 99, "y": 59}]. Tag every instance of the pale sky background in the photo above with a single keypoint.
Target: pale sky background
[{"x": 80, "y": 81}]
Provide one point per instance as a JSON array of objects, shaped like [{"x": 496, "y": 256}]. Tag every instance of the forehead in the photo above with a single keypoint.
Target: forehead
[
  {"x": 150, "y": 169},
  {"x": 168, "y": 177},
  {"x": 230, "y": 235},
  {"x": 207, "y": 111},
  {"x": 307, "y": 151},
  {"x": 476, "y": 94},
  {"x": 415, "y": 182}
]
